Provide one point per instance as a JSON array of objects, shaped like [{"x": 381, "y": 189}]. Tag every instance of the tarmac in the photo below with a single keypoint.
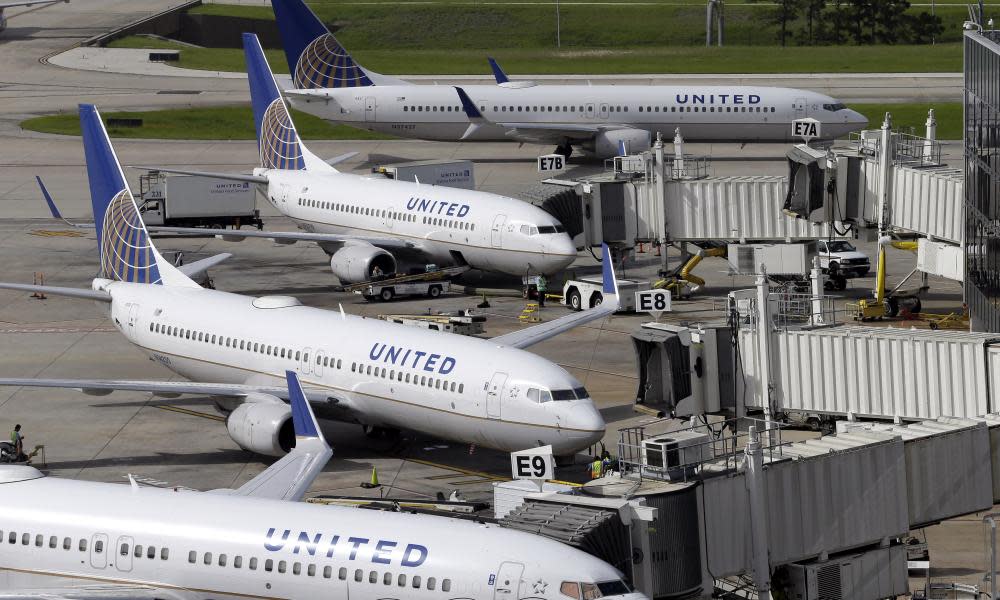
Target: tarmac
[{"x": 184, "y": 442}]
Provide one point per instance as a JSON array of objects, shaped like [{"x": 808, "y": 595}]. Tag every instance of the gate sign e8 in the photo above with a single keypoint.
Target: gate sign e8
[
  {"x": 654, "y": 302},
  {"x": 550, "y": 163},
  {"x": 806, "y": 129},
  {"x": 535, "y": 463}
]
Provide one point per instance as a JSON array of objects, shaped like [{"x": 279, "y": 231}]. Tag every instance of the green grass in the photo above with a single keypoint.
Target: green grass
[
  {"x": 215, "y": 123},
  {"x": 690, "y": 59},
  {"x": 911, "y": 117}
]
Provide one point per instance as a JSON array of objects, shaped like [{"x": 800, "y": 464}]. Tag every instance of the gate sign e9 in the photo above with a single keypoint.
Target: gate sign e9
[
  {"x": 550, "y": 163},
  {"x": 652, "y": 301},
  {"x": 806, "y": 129},
  {"x": 535, "y": 463}
]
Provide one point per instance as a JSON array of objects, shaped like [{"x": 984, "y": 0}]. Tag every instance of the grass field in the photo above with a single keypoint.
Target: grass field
[
  {"x": 236, "y": 123},
  {"x": 215, "y": 123},
  {"x": 692, "y": 59},
  {"x": 454, "y": 37}
]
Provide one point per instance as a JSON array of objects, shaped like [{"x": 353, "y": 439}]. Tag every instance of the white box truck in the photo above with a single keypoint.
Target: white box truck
[
  {"x": 450, "y": 173},
  {"x": 195, "y": 201}
]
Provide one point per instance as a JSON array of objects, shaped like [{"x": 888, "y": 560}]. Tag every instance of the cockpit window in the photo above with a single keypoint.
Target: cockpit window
[
  {"x": 834, "y": 107},
  {"x": 563, "y": 395},
  {"x": 613, "y": 588},
  {"x": 529, "y": 230},
  {"x": 570, "y": 589}
]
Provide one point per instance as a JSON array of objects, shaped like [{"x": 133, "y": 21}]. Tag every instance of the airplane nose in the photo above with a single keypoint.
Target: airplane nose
[
  {"x": 856, "y": 119},
  {"x": 560, "y": 251},
  {"x": 585, "y": 420}
]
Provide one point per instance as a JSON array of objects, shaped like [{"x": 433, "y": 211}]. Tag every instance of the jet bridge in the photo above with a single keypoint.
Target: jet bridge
[{"x": 736, "y": 500}]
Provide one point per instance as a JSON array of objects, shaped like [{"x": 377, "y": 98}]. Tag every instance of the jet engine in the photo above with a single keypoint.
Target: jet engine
[
  {"x": 263, "y": 426},
  {"x": 354, "y": 263},
  {"x": 606, "y": 143}
]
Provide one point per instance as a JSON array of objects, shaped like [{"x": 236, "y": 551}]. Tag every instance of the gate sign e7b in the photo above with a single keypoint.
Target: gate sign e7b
[
  {"x": 806, "y": 129},
  {"x": 534, "y": 464},
  {"x": 550, "y": 163},
  {"x": 654, "y": 302}
]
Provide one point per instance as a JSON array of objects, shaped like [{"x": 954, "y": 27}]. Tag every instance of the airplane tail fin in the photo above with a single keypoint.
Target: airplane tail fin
[
  {"x": 278, "y": 141},
  {"x": 498, "y": 73},
  {"x": 315, "y": 58},
  {"x": 126, "y": 251}
]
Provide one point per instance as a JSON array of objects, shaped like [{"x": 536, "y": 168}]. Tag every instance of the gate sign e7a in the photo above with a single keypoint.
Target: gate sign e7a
[
  {"x": 536, "y": 464},
  {"x": 551, "y": 163},
  {"x": 806, "y": 129},
  {"x": 654, "y": 302}
]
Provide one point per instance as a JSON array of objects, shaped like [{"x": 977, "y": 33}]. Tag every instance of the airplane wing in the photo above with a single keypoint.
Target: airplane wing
[
  {"x": 4, "y": 5},
  {"x": 89, "y": 592},
  {"x": 538, "y": 333},
  {"x": 290, "y": 478}
]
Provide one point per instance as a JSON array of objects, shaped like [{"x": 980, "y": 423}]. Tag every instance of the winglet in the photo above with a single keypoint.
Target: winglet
[
  {"x": 468, "y": 105},
  {"x": 608, "y": 271},
  {"x": 498, "y": 73},
  {"x": 303, "y": 419},
  {"x": 622, "y": 150},
  {"x": 48, "y": 200}
]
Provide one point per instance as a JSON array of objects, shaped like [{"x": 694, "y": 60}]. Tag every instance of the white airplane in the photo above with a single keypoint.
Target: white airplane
[
  {"x": 599, "y": 119},
  {"x": 77, "y": 540},
  {"x": 3, "y": 5},
  {"x": 379, "y": 374},
  {"x": 367, "y": 222}
]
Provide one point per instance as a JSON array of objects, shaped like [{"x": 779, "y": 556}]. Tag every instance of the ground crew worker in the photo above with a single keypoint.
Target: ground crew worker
[
  {"x": 17, "y": 440},
  {"x": 606, "y": 462},
  {"x": 542, "y": 287},
  {"x": 596, "y": 469}
]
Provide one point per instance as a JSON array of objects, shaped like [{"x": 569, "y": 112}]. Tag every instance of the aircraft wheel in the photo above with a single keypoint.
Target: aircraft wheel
[{"x": 575, "y": 301}]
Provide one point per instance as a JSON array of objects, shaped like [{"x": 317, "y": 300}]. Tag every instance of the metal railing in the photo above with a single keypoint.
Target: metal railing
[
  {"x": 655, "y": 451},
  {"x": 907, "y": 149},
  {"x": 689, "y": 167},
  {"x": 792, "y": 310}
]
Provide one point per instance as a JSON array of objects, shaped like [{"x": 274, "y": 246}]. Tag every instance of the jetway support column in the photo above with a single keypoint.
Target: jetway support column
[
  {"x": 764, "y": 339},
  {"x": 760, "y": 564},
  {"x": 816, "y": 278}
]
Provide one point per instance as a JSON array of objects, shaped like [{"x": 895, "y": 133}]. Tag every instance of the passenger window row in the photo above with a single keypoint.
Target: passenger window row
[
  {"x": 238, "y": 344},
  {"x": 406, "y": 377},
  {"x": 357, "y": 210},
  {"x": 408, "y": 108},
  {"x": 311, "y": 569},
  {"x": 67, "y": 544},
  {"x": 453, "y": 224},
  {"x": 615, "y": 109},
  {"x": 735, "y": 109}
]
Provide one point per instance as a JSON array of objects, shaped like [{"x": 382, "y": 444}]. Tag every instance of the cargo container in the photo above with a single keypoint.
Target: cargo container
[
  {"x": 450, "y": 173},
  {"x": 196, "y": 201}
]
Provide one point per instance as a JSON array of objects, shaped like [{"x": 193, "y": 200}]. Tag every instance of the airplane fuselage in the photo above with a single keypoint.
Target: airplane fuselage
[
  {"x": 59, "y": 533},
  {"x": 441, "y": 224},
  {"x": 702, "y": 113},
  {"x": 377, "y": 373}
]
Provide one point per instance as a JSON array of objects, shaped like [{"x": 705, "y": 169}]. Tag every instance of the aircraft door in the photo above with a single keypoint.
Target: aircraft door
[
  {"x": 370, "y": 108},
  {"x": 133, "y": 317},
  {"x": 800, "y": 108},
  {"x": 508, "y": 581},
  {"x": 589, "y": 111},
  {"x": 124, "y": 560},
  {"x": 306, "y": 366},
  {"x": 496, "y": 237},
  {"x": 320, "y": 357},
  {"x": 99, "y": 550},
  {"x": 494, "y": 392},
  {"x": 605, "y": 113}
]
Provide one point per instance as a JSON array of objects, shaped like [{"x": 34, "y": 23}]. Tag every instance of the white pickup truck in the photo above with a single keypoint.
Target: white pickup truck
[{"x": 841, "y": 256}]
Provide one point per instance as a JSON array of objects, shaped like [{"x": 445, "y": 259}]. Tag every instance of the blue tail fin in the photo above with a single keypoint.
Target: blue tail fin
[
  {"x": 127, "y": 254},
  {"x": 277, "y": 140},
  {"x": 498, "y": 73},
  {"x": 315, "y": 58}
]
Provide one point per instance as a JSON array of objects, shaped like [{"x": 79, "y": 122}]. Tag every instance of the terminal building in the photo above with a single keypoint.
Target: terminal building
[{"x": 982, "y": 189}]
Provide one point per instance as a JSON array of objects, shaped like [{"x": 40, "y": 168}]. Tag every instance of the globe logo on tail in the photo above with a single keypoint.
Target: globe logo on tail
[
  {"x": 126, "y": 252},
  {"x": 325, "y": 64},
  {"x": 279, "y": 143}
]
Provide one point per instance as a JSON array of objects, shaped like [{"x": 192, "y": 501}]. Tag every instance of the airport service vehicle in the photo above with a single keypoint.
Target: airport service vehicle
[
  {"x": 192, "y": 201},
  {"x": 367, "y": 371},
  {"x": 841, "y": 256},
  {"x": 3, "y": 5},
  {"x": 387, "y": 291},
  {"x": 450, "y": 173},
  {"x": 599, "y": 119},
  {"x": 68, "y": 539},
  {"x": 585, "y": 292},
  {"x": 369, "y": 223}
]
